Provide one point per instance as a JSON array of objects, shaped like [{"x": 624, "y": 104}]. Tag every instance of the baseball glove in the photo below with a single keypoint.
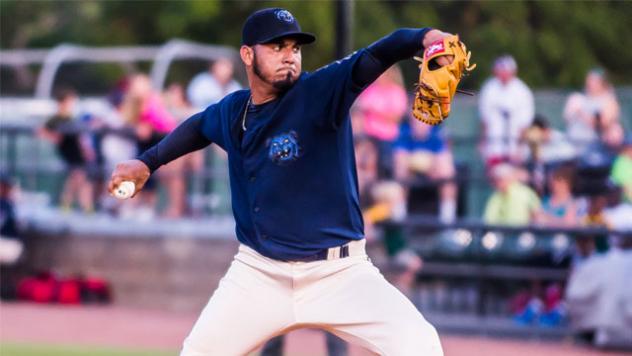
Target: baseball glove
[{"x": 437, "y": 84}]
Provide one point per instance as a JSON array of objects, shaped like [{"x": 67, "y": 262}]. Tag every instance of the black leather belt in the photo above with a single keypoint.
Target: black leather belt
[{"x": 324, "y": 254}]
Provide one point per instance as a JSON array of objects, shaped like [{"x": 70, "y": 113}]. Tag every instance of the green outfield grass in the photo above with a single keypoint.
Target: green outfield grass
[{"x": 14, "y": 349}]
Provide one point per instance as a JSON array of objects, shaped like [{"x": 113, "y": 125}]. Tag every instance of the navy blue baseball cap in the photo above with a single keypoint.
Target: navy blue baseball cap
[{"x": 269, "y": 25}]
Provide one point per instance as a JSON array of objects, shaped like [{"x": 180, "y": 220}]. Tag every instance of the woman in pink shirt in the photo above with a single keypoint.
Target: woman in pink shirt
[
  {"x": 144, "y": 109},
  {"x": 383, "y": 105}
]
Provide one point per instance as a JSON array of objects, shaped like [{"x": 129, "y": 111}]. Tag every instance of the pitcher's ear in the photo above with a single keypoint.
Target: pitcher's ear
[{"x": 247, "y": 54}]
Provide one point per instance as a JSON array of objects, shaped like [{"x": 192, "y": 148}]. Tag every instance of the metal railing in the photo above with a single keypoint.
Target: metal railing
[
  {"x": 473, "y": 272},
  {"x": 162, "y": 56}
]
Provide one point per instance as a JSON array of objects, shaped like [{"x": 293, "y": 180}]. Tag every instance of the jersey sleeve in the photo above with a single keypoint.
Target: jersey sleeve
[
  {"x": 333, "y": 91},
  {"x": 339, "y": 83},
  {"x": 210, "y": 125}
]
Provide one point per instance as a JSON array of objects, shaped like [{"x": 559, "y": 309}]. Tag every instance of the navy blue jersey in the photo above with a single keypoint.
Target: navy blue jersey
[{"x": 292, "y": 173}]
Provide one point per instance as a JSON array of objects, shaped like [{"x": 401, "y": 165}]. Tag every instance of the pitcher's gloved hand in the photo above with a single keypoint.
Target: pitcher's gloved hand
[{"x": 439, "y": 78}]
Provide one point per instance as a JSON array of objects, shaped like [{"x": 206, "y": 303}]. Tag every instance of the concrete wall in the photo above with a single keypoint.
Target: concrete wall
[{"x": 176, "y": 273}]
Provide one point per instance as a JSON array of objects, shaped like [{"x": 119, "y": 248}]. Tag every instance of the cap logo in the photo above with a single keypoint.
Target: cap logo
[{"x": 284, "y": 15}]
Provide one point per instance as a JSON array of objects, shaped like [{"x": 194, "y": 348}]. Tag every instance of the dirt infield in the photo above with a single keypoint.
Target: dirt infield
[{"x": 123, "y": 327}]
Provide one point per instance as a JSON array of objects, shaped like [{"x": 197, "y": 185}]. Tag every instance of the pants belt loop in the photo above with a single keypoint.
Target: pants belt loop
[
  {"x": 332, "y": 253},
  {"x": 344, "y": 251}
]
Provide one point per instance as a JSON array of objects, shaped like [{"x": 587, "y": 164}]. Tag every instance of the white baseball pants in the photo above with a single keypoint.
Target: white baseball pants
[{"x": 259, "y": 298}]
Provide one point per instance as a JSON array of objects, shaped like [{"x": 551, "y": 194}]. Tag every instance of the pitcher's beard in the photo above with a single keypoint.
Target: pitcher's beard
[
  {"x": 281, "y": 85},
  {"x": 284, "y": 84}
]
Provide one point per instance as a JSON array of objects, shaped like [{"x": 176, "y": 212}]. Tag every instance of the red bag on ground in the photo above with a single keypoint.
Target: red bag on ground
[
  {"x": 40, "y": 289},
  {"x": 69, "y": 291}
]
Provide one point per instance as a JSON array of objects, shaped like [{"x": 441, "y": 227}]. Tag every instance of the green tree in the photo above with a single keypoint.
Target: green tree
[{"x": 554, "y": 42}]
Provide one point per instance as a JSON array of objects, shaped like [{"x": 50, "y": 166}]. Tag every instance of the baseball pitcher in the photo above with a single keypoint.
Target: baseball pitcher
[{"x": 301, "y": 259}]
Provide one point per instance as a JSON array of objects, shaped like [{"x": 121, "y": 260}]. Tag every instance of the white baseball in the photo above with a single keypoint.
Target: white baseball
[{"x": 125, "y": 190}]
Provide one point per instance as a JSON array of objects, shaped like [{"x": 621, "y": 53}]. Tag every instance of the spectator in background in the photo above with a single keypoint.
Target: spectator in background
[
  {"x": 11, "y": 246},
  {"x": 619, "y": 212},
  {"x": 389, "y": 204},
  {"x": 421, "y": 150},
  {"x": 75, "y": 150},
  {"x": 546, "y": 144},
  {"x": 543, "y": 147},
  {"x": 590, "y": 114},
  {"x": 357, "y": 121},
  {"x": 599, "y": 297},
  {"x": 209, "y": 87},
  {"x": 383, "y": 105},
  {"x": 506, "y": 109},
  {"x": 559, "y": 209},
  {"x": 512, "y": 202},
  {"x": 10, "y": 240},
  {"x": 181, "y": 110},
  {"x": 621, "y": 173},
  {"x": 385, "y": 201},
  {"x": 119, "y": 140},
  {"x": 592, "y": 213},
  {"x": 176, "y": 102},
  {"x": 144, "y": 109},
  {"x": 366, "y": 164}
]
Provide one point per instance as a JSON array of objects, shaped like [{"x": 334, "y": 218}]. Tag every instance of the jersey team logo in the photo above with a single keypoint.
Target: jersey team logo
[
  {"x": 434, "y": 48},
  {"x": 284, "y": 148},
  {"x": 285, "y": 15}
]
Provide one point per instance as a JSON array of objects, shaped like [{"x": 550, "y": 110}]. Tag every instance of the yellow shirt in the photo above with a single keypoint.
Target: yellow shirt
[{"x": 515, "y": 207}]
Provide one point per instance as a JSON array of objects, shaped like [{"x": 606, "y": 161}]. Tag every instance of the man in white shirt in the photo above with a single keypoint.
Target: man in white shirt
[
  {"x": 506, "y": 109},
  {"x": 209, "y": 87}
]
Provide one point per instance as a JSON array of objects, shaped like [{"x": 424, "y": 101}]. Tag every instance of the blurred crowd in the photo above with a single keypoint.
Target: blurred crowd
[
  {"x": 566, "y": 177},
  {"x": 90, "y": 145}
]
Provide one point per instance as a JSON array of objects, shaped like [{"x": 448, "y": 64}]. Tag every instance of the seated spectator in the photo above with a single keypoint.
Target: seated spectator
[
  {"x": 617, "y": 214},
  {"x": 512, "y": 203},
  {"x": 543, "y": 147},
  {"x": 421, "y": 150},
  {"x": 383, "y": 105},
  {"x": 621, "y": 173},
  {"x": 590, "y": 114},
  {"x": 65, "y": 132},
  {"x": 592, "y": 214},
  {"x": 599, "y": 297},
  {"x": 389, "y": 204},
  {"x": 559, "y": 209},
  {"x": 545, "y": 144},
  {"x": 209, "y": 87},
  {"x": 366, "y": 165}
]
